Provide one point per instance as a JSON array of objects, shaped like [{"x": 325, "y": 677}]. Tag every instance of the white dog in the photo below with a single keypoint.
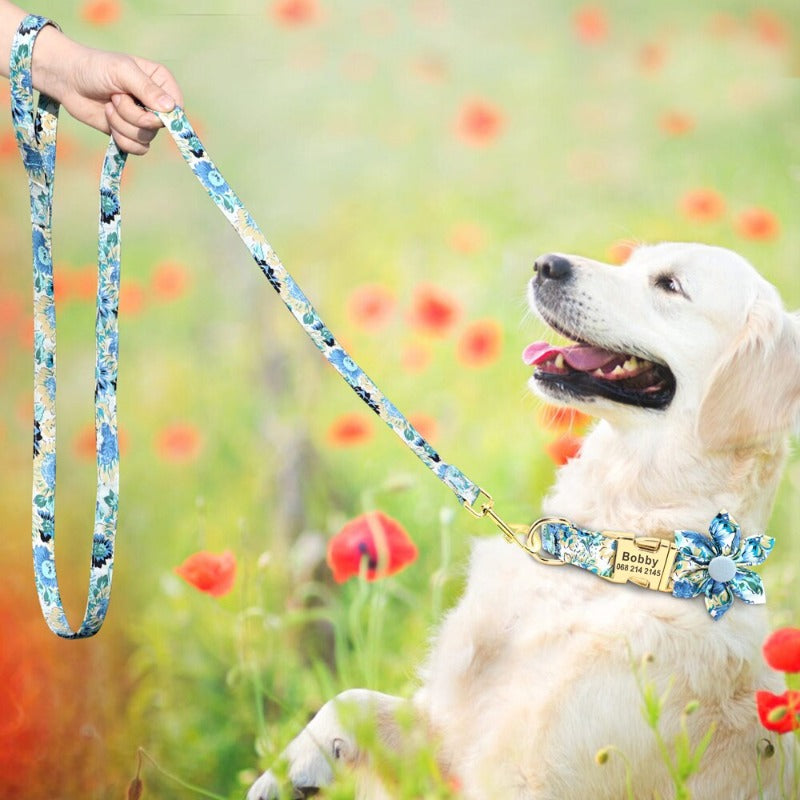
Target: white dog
[{"x": 693, "y": 367}]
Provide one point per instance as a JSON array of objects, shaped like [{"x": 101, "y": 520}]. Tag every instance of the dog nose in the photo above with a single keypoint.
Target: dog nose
[{"x": 552, "y": 267}]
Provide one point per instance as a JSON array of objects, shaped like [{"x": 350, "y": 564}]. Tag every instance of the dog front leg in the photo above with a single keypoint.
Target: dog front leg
[{"x": 312, "y": 756}]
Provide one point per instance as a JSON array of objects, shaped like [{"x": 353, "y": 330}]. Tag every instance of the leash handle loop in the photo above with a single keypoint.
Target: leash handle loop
[
  {"x": 35, "y": 132},
  {"x": 195, "y": 155}
]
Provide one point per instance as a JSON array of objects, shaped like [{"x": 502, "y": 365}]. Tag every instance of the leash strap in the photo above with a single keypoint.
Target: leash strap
[
  {"x": 36, "y": 137},
  {"x": 195, "y": 155},
  {"x": 594, "y": 551},
  {"x": 35, "y": 130}
]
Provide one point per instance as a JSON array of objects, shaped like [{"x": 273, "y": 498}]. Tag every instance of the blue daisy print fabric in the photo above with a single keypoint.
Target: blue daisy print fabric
[
  {"x": 218, "y": 189},
  {"x": 35, "y": 131},
  {"x": 718, "y": 565}
]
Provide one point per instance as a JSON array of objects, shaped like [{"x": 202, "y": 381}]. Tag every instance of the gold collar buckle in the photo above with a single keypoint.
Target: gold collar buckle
[{"x": 646, "y": 561}]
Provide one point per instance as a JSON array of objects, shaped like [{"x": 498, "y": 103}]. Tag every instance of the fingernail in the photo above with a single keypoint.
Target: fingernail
[
  {"x": 165, "y": 103},
  {"x": 115, "y": 99}
]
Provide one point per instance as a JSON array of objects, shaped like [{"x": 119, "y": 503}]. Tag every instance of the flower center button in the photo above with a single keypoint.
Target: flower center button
[{"x": 722, "y": 569}]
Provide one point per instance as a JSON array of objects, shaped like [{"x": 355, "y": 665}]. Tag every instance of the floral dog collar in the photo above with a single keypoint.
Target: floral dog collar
[{"x": 716, "y": 565}]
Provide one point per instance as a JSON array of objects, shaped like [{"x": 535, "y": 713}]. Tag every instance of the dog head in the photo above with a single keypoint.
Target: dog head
[{"x": 689, "y": 332}]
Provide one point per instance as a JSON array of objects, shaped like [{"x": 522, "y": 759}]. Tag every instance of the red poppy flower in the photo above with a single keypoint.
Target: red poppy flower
[
  {"x": 67, "y": 148},
  {"x": 349, "y": 430},
  {"x": 378, "y": 21},
  {"x": 425, "y": 425},
  {"x": 620, "y": 251},
  {"x": 480, "y": 343},
  {"x": 11, "y": 311},
  {"x": 62, "y": 283},
  {"x": 434, "y": 311},
  {"x": 100, "y": 12},
  {"x": 675, "y": 123},
  {"x": 40, "y": 754},
  {"x": 590, "y": 24},
  {"x": 371, "y": 306},
  {"x": 359, "y": 66},
  {"x": 295, "y": 13},
  {"x": 8, "y": 145},
  {"x": 770, "y": 28},
  {"x": 169, "y": 280},
  {"x": 562, "y": 418},
  {"x": 563, "y": 449},
  {"x": 431, "y": 12},
  {"x": 723, "y": 25},
  {"x": 703, "y": 205},
  {"x": 375, "y": 539},
  {"x": 758, "y": 223},
  {"x": 83, "y": 283},
  {"x": 131, "y": 298},
  {"x": 467, "y": 237},
  {"x": 651, "y": 57},
  {"x": 782, "y": 650},
  {"x": 84, "y": 444},
  {"x": 430, "y": 69},
  {"x": 779, "y": 712},
  {"x": 178, "y": 443},
  {"x": 479, "y": 123},
  {"x": 25, "y": 333},
  {"x": 415, "y": 356},
  {"x": 210, "y": 573}
]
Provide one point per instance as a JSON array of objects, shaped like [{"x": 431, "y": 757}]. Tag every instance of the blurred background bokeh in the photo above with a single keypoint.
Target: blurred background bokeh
[{"x": 407, "y": 160}]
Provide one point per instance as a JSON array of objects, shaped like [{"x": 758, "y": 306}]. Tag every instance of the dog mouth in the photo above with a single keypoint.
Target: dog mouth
[{"x": 585, "y": 371}]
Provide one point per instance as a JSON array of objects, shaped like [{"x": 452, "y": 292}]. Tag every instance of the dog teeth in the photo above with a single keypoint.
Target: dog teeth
[
  {"x": 559, "y": 362},
  {"x": 631, "y": 365}
]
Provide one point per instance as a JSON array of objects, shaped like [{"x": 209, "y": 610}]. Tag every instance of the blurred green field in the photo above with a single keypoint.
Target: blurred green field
[{"x": 341, "y": 125}]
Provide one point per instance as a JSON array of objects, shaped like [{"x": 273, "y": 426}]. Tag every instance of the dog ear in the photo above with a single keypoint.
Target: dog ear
[{"x": 754, "y": 390}]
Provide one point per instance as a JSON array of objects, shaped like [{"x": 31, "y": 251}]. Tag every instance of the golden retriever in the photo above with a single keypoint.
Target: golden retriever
[{"x": 689, "y": 361}]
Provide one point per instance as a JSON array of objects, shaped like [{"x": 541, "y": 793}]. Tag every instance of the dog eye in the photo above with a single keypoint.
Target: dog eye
[{"x": 668, "y": 283}]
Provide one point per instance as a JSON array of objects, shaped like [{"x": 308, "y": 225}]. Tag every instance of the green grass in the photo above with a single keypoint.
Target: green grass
[{"x": 354, "y": 180}]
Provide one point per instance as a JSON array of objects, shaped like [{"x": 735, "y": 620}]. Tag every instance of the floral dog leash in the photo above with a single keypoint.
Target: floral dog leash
[
  {"x": 36, "y": 137},
  {"x": 716, "y": 566}
]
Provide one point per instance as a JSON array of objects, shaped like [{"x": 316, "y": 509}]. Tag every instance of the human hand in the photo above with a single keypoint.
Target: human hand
[{"x": 101, "y": 88}]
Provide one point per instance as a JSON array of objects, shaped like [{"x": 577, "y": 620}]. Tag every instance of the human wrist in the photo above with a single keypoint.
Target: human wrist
[{"x": 54, "y": 56}]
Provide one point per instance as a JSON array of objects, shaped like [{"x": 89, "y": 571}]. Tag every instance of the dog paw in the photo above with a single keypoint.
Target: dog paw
[
  {"x": 310, "y": 759},
  {"x": 265, "y": 788}
]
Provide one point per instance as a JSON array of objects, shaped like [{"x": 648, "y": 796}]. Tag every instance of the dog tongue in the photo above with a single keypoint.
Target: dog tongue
[{"x": 584, "y": 358}]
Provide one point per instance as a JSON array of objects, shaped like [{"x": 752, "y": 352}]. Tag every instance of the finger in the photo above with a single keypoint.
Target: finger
[
  {"x": 131, "y": 112},
  {"x": 134, "y": 78},
  {"x": 161, "y": 77},
  {"x": 131, "y": 138},
  {"x": 130, "y": 146}
]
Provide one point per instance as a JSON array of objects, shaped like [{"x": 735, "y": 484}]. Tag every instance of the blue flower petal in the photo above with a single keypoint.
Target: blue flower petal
[
  {"x": 747, "y": 586},
  {"x": 686, "y": 588},
  {"x": 695, "y": 546},
  {"x": 719, "y": 598},
  {"x": 726, "y": 533},
  {"x": 755, "y": 550}
]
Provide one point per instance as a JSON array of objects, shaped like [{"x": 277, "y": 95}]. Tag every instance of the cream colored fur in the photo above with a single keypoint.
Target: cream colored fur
[{"x": 530, "y": 674}]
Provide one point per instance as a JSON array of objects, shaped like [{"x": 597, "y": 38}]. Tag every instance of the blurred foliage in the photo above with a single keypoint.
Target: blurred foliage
[{"x": 428, "y": 142}]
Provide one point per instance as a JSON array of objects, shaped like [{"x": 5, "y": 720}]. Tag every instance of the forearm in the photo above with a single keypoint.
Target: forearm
[
  {"x": 102, "y": 89},
  {"x": 10, "y": 18},
  {"x": 53, "y": 51}
]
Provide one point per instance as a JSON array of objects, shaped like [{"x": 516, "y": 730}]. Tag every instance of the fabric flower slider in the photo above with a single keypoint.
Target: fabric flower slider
[{"x": 718, "y": 565}]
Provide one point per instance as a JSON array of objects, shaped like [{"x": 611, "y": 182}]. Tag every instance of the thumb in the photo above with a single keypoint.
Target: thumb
[{"x": 147, "y": 88}]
